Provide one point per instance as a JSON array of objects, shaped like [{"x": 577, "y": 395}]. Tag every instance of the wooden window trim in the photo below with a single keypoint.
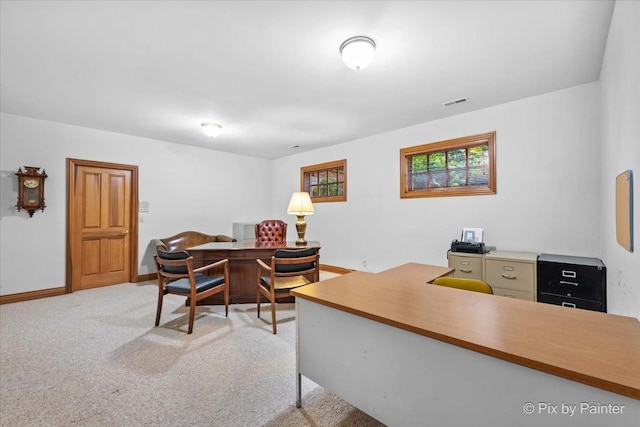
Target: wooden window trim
[
  {"x": 448, "y": 145},
  {"x": 326, "y": 166}
]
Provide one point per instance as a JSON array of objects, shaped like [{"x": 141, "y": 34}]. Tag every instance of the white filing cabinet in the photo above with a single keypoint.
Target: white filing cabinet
[
  {"x": 511, "y": 274},
  {"x": 467, "y": 266},
  {"x": 244, "y": 231}
]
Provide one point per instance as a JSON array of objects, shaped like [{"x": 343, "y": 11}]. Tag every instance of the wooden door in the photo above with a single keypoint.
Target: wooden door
[{"x": 102, "y": 217}]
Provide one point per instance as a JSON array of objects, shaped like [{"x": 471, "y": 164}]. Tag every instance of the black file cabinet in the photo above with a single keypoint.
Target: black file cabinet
[{"x": 572, "y": 282}]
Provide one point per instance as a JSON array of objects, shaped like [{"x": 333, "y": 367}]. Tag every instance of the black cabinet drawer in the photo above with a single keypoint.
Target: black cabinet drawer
[
  {"x": 582, "y": 279},
  {"x": 574, "y": 281},
  {"x": 570, "y": 302}
]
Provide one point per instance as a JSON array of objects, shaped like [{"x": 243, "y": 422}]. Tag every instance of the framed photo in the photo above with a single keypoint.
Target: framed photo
[
  {"x": 469, "y": 236},
  {"x": 472, "y": 235}
]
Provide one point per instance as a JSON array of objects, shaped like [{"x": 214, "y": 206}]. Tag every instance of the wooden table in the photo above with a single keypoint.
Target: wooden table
[
  {"x": 243, "y": 268},
  {"x": 410, "y": 353}
]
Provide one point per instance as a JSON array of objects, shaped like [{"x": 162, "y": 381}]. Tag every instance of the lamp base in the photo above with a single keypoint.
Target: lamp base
[{"x": 301, "y": 227}]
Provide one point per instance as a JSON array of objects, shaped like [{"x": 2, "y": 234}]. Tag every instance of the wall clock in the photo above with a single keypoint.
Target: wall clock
[{"x": 31, "y": 189}]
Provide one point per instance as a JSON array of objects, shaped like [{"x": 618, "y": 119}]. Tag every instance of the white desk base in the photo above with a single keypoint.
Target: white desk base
[{"x": 405, "y": 379}]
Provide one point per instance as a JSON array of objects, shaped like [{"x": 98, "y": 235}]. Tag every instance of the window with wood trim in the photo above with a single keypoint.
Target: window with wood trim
[
  {"x": 325, "y": 182},
  {"x": 456, "y": 167}
]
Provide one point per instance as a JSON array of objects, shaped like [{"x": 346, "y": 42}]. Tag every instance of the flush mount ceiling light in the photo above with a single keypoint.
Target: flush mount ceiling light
[
  {"x": 211, "y": 129},
  {"x": 357, "y": 52}
]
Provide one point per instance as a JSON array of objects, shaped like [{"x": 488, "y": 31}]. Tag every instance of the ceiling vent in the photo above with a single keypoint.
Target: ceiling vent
[{"x": 455, "y": 101}]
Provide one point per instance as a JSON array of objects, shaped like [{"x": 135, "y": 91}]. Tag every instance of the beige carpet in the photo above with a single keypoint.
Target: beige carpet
[{"x": 93, "y": 358}]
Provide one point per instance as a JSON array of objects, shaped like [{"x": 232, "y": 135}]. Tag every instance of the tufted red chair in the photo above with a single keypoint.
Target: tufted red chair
[{"x": 271, "y": 230}]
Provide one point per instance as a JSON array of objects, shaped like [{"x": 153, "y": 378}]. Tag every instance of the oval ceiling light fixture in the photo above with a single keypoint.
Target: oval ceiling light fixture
[
  {"x": 357, "y": 52},
  {"x": 211, "y": 129}
]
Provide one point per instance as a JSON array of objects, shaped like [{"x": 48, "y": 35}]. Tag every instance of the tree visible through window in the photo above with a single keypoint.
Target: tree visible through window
[
  {"x": 457, "y": 167},
  {"x": 325, "y": 182}
]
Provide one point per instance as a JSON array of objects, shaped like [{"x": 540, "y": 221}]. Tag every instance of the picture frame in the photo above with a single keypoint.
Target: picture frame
[{"x": 472, "y": 235}]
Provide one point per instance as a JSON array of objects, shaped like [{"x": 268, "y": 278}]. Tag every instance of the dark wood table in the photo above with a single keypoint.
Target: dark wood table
[{"x": 243, "y": 268}]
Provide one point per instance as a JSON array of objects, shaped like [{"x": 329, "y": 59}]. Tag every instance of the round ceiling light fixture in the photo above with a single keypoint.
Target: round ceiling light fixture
[
  {"x": 357, "y": 52},
  {"x": 211, "y": 129}
]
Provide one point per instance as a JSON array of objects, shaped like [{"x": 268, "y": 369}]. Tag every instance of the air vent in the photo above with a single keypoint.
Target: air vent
[{"x": 455, "y": 101}]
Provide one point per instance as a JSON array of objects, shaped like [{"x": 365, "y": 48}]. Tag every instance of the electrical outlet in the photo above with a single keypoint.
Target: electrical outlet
[{"x": 364, "y": 263}]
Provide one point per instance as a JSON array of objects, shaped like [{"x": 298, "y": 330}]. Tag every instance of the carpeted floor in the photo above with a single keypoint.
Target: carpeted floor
[{"x": 93, "y": 358}]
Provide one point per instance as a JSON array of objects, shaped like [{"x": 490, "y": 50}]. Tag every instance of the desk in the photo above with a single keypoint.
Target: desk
[
  {"x": 243, "y": 268},
  {"x": 408, "y": 353},
  {"x": 415, "y": 273}
]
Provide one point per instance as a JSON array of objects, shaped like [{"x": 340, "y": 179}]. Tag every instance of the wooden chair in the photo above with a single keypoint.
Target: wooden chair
[
  {"x": 271, "y": 231},
  {"x": 176, "y": 275},
  {"x": 289, "y": 269},
  {"x": 467, "y": 284}
]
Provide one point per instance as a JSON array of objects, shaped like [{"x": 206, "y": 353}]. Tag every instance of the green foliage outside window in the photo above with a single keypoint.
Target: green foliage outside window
[
  {"x": 456, "y": 167},
  {"x": 325, "y": 182}
]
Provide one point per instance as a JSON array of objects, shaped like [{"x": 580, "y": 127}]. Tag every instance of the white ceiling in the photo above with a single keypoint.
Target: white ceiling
[{"x": 270, "y": 71}]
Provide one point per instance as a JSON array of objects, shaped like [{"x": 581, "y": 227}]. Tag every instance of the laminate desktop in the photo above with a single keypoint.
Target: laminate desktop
[{"x": 595, "y": 349}]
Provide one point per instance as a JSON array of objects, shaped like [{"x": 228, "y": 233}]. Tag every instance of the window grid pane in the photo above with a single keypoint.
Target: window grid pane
[
  {"x": 453, "y": 168},
  {"x": 467, "y": 166},
  {"x": 325, "y": 182}
]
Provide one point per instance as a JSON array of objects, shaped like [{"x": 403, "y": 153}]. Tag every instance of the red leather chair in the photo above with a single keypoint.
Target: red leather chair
[{"x": 271, "y": 230}]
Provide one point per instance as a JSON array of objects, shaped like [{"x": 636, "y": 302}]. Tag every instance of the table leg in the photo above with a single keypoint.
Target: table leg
[{"x": 299, "y": 391}]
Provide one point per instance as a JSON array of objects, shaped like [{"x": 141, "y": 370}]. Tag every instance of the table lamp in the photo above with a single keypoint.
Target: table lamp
[{"x": 300, "y": 205}]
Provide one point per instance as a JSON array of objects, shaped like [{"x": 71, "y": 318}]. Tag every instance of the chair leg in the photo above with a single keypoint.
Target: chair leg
[
  {"x": 226, "y": 289},
  {"x": 258, "y": 302},
  {"x": 159, "y": 309},
  {"x": 192, "y": 314},
  {"x": 273, "y": 316},
  {"x": 226, "y": 300}
]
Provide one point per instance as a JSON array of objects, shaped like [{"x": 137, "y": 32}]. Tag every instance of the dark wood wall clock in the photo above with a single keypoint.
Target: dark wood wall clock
[{"x": 31, "y": 189}]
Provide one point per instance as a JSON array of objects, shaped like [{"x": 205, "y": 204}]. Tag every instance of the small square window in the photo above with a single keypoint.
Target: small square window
[{"x": 325, "y": 182}]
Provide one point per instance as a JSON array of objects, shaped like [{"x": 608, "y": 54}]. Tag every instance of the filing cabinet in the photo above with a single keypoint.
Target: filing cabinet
[
  {"x": 468, "y": 266},
  {"x": 570, "y": 281},
  {"x": 511, "y": 274},
  {"x": 244, "y": 231}
]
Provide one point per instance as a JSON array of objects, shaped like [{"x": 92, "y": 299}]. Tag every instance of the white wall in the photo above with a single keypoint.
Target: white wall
[
  {"x": 557, "y": 158},
  {"x": 227, "y": 188},
  {"x": 620, "y": 150},
  {"x": 548, "y": 190}
]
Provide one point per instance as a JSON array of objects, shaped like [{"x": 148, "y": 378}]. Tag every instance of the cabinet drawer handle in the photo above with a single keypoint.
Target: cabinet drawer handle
[
  {"x": 564, "y": 282},
  {"x": 568, "y": 304},
  {"x": 465, "y": 270},
  {"x": 509, "y": 276}
]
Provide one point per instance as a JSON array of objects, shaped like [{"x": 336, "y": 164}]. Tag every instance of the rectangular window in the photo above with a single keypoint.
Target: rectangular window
[
  {"x": 325, "y": 182},
  {"x": 456, "y": 167}
]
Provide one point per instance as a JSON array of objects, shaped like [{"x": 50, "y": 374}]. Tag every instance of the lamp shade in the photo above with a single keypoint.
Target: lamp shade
[
  {"x": 357, "y": 52},
  {"x": 300, "y": 204},
  {"x": 211, "y": 129}
]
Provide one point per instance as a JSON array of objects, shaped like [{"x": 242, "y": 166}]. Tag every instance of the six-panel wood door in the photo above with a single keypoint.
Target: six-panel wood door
[{"x": 100, "y": 224}]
